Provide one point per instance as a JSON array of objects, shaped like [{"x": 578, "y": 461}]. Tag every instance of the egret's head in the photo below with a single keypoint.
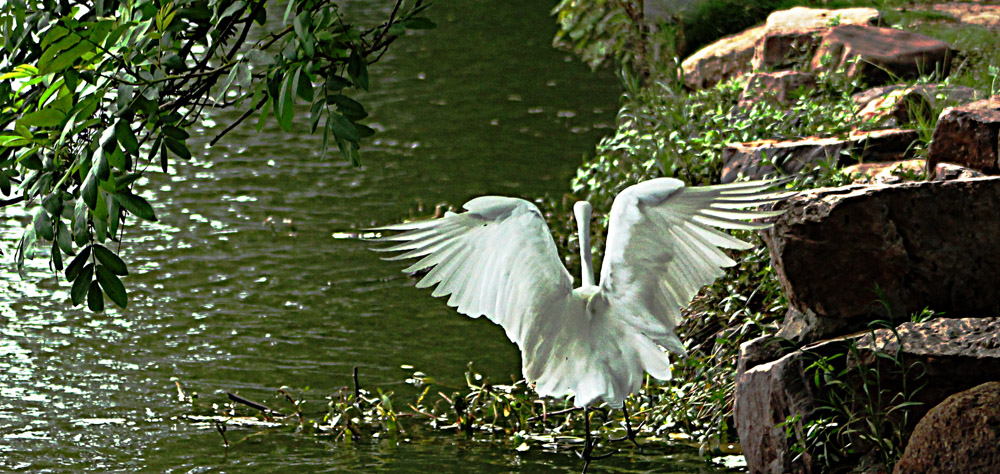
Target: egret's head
[{"x": 582, "y": 210}]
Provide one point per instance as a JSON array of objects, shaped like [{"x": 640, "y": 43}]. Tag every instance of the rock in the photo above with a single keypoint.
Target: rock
[
  {"x": 758, "y": 159},
  {"x": 967, "y": 136},
  {"x": 987, "y": 16},
  {"x": 899, "y": 104},
  {"x": 949, "y": 354},
  {"x": 760, "y": 350},
  {"x": 924, "y": 244},
  {"x": 894, "y": 172},
  {"x": 887, "y": 173},
  {"x": 779, "y": 87},
  {"x": 776, "y": 399},
  {"x": 791, "y": 36},
  {"x": 771, "y": 393},
  {"x": 766, "y": 396},
  {"x": 891, "y": 144},
  {"x": 881, "y": 54},
  {"x": 944, "y": 171},
  {"x": 959, "y": 435},
  {"x": 767, "y": 45},
  {"x": 722, "y": 60}
]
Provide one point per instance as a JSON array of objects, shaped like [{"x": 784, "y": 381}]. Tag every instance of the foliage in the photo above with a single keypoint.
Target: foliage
[
  {"x": 860, "y": 413},
  {"x": 617, "y": 31},
  {"x": 598, "y": 30},
  {"x": 664, "y": 131},
  {"x": 620, "y": 30},
  {"x": 93, "y": 96}
]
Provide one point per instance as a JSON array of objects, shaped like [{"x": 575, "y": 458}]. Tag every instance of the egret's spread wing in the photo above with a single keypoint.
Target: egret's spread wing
[
  {"x": 498, "y": 260},
  {"x": 662, "y": 248}
]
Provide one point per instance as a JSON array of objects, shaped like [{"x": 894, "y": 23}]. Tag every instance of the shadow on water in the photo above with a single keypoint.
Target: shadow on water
[{"x": 241, "y": 286}]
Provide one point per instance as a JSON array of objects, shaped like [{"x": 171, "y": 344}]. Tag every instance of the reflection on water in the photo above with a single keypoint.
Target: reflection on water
[{"x": 242, "y": 287}]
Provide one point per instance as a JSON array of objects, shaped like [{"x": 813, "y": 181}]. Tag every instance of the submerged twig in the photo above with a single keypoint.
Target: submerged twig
[
  {"x": 544, "y": 416},
  {"x": 252, "y": 404},
  {"x": 221, "y": 428}
]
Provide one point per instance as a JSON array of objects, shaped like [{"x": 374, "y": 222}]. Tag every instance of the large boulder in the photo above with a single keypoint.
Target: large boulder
[
  {"x": 722, "y": 60},
  {"x": 967, "y": 135},
  {"x": 770, "y": 394},
  {"x": 946, "y": 355},
  {"x": 881, "y": 54},
  {"x": 921, "y": 244},
  {"x": 788, "y": 35},
  {"x": 777, "y": 395},
  {"x": 962, "y": 434},
  {"x": 761, "y": 158},
  {"x": 791, "y": 36}
]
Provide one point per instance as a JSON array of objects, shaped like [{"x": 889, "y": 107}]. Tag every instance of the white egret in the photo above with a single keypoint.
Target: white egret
[{"x": 597, "y": 341}]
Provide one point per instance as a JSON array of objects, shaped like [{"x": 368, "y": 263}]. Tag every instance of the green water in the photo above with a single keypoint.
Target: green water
[{"x": 242, "y": 286}]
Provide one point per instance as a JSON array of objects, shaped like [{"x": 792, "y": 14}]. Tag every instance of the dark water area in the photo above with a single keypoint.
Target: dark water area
[{"x": 248, "y": 282}]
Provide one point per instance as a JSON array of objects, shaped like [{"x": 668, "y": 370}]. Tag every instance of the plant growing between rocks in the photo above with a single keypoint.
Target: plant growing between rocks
[{"x": 859, "y": 418}]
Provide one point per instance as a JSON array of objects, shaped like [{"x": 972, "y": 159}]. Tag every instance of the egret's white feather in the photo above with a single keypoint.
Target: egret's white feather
[{"x": 596, "y": 342}]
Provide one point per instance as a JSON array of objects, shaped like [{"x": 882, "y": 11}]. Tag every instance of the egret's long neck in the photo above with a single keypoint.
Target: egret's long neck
[{"x": 583, "y": 211}]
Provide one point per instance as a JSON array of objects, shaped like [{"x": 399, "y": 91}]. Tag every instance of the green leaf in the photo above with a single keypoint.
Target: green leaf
[
  {"x": 42, "y": 118},
  {"x": 315, "y": 113},
  {"x": 350, "y": 152},
  {"x": 134, "y": 204},
  {"x": 81, "y": 283},
  {"x": 154, "y": 149},
  {"x": 95, "y": 299},
  {"x": 125, "y": 135},
  {"x": 117, "y": 159},
  {"x": 419, "y": 23},
  {"x": 305, "y": 87},
  {"x": 364, "y": 131},
  {"x": 112, "y": 286},
  {"x": 66, "y": 58},
  {"x": 43, "y": 224},
  {"x": 114, "y": 214},
  {"x": 351, "y": 108},
  {"x": 103, "y": 168},
  {"x": 342, "y": 128},
  {"x": 177, "y": 147},
  {"x": 108, "y": 141},
  {"x": 286, "y": 101},
  {"x": 57, "y": 261},
  {"x": 100, "y": 220},
  {"x": 335, "y": 83},
  {"x": 89, "y": 191},
  {"x": 64, "y": 237},
  {"x": 225, "y": 85},
  {"x": 4, "y": 183},
  {"x": 357, "y": 68},
  {"x": 54, "y": 34},
  {"x": 108, "y": 258},
  {"x": 176, "y": 133},
  {"x": 80, "y": 233}
]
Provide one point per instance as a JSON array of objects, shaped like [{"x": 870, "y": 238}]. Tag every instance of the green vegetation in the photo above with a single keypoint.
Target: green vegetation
[
  {"x": 862, "y": 417},
  {"x": 664, "y": 130},
  {"x": 93, "y": 97}
]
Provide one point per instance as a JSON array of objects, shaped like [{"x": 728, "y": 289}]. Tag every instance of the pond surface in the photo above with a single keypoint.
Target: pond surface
[{"x": 243, "y": 285}]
